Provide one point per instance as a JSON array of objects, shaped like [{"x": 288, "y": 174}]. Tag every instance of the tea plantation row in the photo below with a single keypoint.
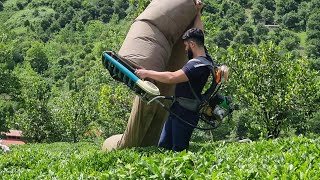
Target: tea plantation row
[{"x": 289, "y": 158}]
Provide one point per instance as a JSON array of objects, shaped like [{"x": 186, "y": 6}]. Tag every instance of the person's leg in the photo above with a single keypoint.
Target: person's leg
[
  {"x": 165, "y": 140},
  {"x": 181, "y": 131},
  {"x": 181, "y": 135}
]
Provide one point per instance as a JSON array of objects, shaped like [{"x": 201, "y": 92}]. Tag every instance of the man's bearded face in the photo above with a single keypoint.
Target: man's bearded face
[{"x": 189, "y": 51}]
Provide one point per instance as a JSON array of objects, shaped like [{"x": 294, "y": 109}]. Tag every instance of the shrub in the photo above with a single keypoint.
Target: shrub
[{"x": 276, "y": 91}]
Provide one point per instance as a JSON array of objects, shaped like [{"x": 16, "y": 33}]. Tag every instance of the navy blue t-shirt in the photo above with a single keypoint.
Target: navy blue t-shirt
[{"x": 197, "y": 76}]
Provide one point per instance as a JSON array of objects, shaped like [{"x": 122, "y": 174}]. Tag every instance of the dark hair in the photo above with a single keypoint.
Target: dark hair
[{"x": 195, "y": 35}]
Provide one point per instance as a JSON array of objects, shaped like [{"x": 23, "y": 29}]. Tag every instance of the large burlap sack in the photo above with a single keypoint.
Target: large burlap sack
[
  {"x": 171, "y": 17},
  {"x": 111, "y": 143},
  {"x": 151, "y": 42}
]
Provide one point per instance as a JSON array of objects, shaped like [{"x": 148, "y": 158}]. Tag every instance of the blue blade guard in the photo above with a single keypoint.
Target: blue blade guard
[{"x": 122, "y": 71}]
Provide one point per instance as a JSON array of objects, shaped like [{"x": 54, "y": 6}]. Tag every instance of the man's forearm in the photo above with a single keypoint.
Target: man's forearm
[
  {"x": 198, "y": 22},
  {"x": 164, "y": 77}
]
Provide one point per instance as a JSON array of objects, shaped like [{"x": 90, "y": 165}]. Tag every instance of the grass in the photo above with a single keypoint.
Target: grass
[
  {"x": 17, "y": 19},
  {"x": 5, "y": 15},
  {"x": 12, "y": 4},
  {"x": 303, "y": 37}
]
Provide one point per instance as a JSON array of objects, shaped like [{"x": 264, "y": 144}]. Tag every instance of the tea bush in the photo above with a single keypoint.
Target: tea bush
[{"x": 287, "y": 158}]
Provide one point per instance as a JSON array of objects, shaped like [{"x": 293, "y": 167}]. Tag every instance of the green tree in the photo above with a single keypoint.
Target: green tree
[
  {"x": 94, "y": 12},
  {"x": 275, "y": 92},
  {"x": 114, "y": 107},
  {"x": 286, "y": 39},
  {"x": 226, "y": 25},
  {"x": 313, "y": 35},
  {"x": 3, "y": 124},
  {"x": 313, "y": 48},
  {"x": 55, "y": 26},
  {"x": 211, "y": 7},
  {"x": 63, "y": 21},
  {"x": 313, "y": 21},
  {"x": 9, "y": 86},
  {"x": 74, "y": 112},
  {"x": 34, "y": 117},
  {"x": 256, "y": 14},
  {"x": 120, "y": 8},
  {"x": 290, "y": 43},
  {"x": 242, "y": 38},
  {"x": 313, "y": 42},
  {"x": 248, "y": 28},
  {"x": 303, "y": 13},
  {"x": 85, "y": 16},
  {"x": 138, "y": 6},
  {"x": 18, "y": 54},
  {"x": 274, "y": 36},
  {"x": 314, "y": 123},
  {"x": 106, "y": 13},
  {"x": 36, "y": 13},
  {"x": 6, "y": 60},
  {"x": 261, "y": 32},
  {"x": 233, "y": 12},
  {"x": 76, "y": 4},
  {"x": 45, "y": 24},
  {"x": 6, "y": 113},
  {"x": 245, "y": 3},
  {"x": 284, "y": 7},
  {"x": 223, "y": 38},
  {"x": 9, "y": 83},
  {"x": 267, "y": 16},
  {"x": 315, "y": 4},
  {"x": 291, "y": 20},
  {"x": 20, "y": 6},
  {"x": 37, "y": 57},
  {"x": 268, "y": 4},
  {"x": 1, "y": 6}
]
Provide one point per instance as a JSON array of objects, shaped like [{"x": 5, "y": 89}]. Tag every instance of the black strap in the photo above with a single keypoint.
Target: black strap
[
  {"x": 213, "y": 89},
  {"x": 186, "y": 122},
  {"x": 201, "y": 62},
  {"x": 193, "y": 92}
]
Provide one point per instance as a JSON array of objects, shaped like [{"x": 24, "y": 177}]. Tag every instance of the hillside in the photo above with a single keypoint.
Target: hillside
[
  {"x": 52, "y": 78},
  {"x": 54, "y": 88}
]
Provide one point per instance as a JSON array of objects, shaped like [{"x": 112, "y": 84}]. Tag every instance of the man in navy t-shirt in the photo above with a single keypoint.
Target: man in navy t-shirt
[{"x": 176, "y": 134}]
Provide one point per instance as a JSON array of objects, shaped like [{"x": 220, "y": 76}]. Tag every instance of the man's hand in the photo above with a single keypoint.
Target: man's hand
[
  {"x": 199, "y": 5},
  {"x": 197, "y": 21},
  {"x": 142, "y": 73}
]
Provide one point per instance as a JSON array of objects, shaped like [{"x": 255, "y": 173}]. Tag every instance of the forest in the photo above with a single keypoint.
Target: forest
[{"x": 54, "y": 88}]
